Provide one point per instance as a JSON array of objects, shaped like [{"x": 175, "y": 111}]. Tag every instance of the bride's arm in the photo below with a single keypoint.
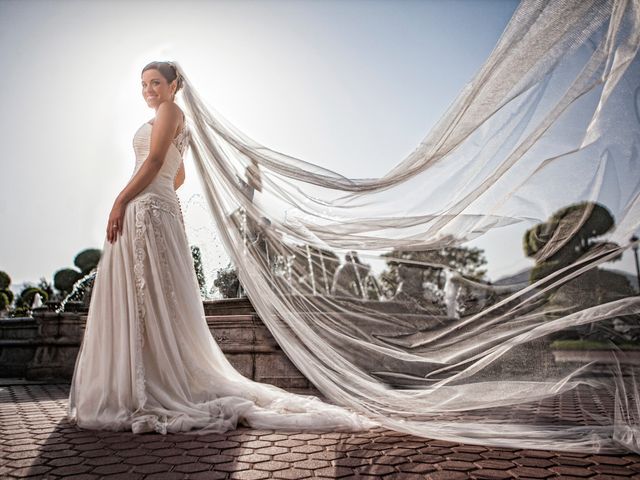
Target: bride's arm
[
  {"x": 165, "y": 124},
  {"x": 180, "y": 176}
]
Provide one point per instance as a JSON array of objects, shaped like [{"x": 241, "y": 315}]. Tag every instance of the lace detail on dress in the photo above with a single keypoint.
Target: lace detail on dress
[
  {"x": 148, "y": 423},
  {"x": 148, "y": 206},
  {"x": 182, "y": 140}
]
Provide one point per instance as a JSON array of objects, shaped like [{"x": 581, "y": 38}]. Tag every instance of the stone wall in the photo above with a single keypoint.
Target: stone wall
[{"x": 45, "y": 347}]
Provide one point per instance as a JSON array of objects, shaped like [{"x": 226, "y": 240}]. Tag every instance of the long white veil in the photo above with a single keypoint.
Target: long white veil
[{"x": 544, "y": 141}]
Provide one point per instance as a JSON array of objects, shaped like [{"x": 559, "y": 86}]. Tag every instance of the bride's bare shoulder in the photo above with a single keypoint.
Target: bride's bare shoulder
[{"x": 168, "y": 112}]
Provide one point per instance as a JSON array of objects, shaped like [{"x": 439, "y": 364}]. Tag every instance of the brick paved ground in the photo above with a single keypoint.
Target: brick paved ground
[{"x": 37, "y": 442}]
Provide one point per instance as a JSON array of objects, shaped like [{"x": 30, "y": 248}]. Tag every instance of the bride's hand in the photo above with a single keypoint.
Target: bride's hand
[{"x": 116, "y": 219}]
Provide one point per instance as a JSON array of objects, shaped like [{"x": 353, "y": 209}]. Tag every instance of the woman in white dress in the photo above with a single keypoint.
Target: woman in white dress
[{"x": 147, "y": 361}]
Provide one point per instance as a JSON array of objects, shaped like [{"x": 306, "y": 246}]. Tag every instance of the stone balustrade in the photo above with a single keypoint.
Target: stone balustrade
[{"x": 45, "y": 347}]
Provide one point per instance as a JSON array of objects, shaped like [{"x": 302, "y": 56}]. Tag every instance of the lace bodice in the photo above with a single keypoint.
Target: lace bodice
[{"x": 181, "y": 140}]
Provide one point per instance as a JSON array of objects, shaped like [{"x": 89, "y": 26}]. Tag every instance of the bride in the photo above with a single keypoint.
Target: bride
[{"x": 147, "y": 360}]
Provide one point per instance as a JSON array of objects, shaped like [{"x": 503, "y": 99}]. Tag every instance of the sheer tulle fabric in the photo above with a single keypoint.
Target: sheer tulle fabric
[{"x": 550, "y": 120}]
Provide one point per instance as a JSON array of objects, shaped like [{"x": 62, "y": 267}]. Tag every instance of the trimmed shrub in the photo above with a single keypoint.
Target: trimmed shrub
[
  {"x": 4, "y": 301},
  {"x": 64, "y": 279},
  {"x": 5, "y": 280},
  {"x": 26, "y": 297},
  {"x": 9, "y": 294},
  {"x": 87, "y": 260}
]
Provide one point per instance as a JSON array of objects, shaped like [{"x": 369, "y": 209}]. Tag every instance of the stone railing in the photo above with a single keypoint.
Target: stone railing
[{"x": 45, "y": 347}]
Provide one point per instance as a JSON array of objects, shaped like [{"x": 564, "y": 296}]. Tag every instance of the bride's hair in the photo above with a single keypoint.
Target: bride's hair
[{"x": 168, "y": 70}]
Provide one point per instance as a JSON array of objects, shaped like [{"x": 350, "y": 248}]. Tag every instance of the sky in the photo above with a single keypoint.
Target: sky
[{"x": 350, "y": 85}]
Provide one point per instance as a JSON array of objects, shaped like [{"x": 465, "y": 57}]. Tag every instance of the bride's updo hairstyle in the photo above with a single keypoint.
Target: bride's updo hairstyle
[{"x": 167, "y": 70}]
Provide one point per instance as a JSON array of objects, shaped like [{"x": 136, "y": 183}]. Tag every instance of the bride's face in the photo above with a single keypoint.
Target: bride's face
[{"x": 155, "y": 88}]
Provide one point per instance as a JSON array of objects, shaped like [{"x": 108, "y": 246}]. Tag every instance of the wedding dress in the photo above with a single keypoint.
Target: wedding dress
[{"x": 147, "y": 360}]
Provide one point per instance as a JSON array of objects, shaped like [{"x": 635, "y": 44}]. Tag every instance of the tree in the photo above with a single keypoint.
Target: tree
[
  {"x": 467, "y": 261},
  {"x": 43, "y": 284},
  {"x": 227, "y": 282}
]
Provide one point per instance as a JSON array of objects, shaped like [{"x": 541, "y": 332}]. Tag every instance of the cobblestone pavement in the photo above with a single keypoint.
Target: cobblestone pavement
[{"x": 36, "y": 441}]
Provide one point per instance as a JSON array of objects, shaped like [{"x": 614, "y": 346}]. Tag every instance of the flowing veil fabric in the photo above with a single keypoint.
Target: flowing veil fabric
[{"x": 543, "y": 141}]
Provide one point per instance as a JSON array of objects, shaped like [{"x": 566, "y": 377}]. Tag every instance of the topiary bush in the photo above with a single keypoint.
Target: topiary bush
[
  {"x": 87, "y": 260},
  {"x": 64, "y": 279},
  {"x": 5, "y": 280},
  {"x": 566, "y": 236},
  {"x": 4, "y": 301},
  {"x": 9, "y": 294},
  {"x": 28, "y": 294}
]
